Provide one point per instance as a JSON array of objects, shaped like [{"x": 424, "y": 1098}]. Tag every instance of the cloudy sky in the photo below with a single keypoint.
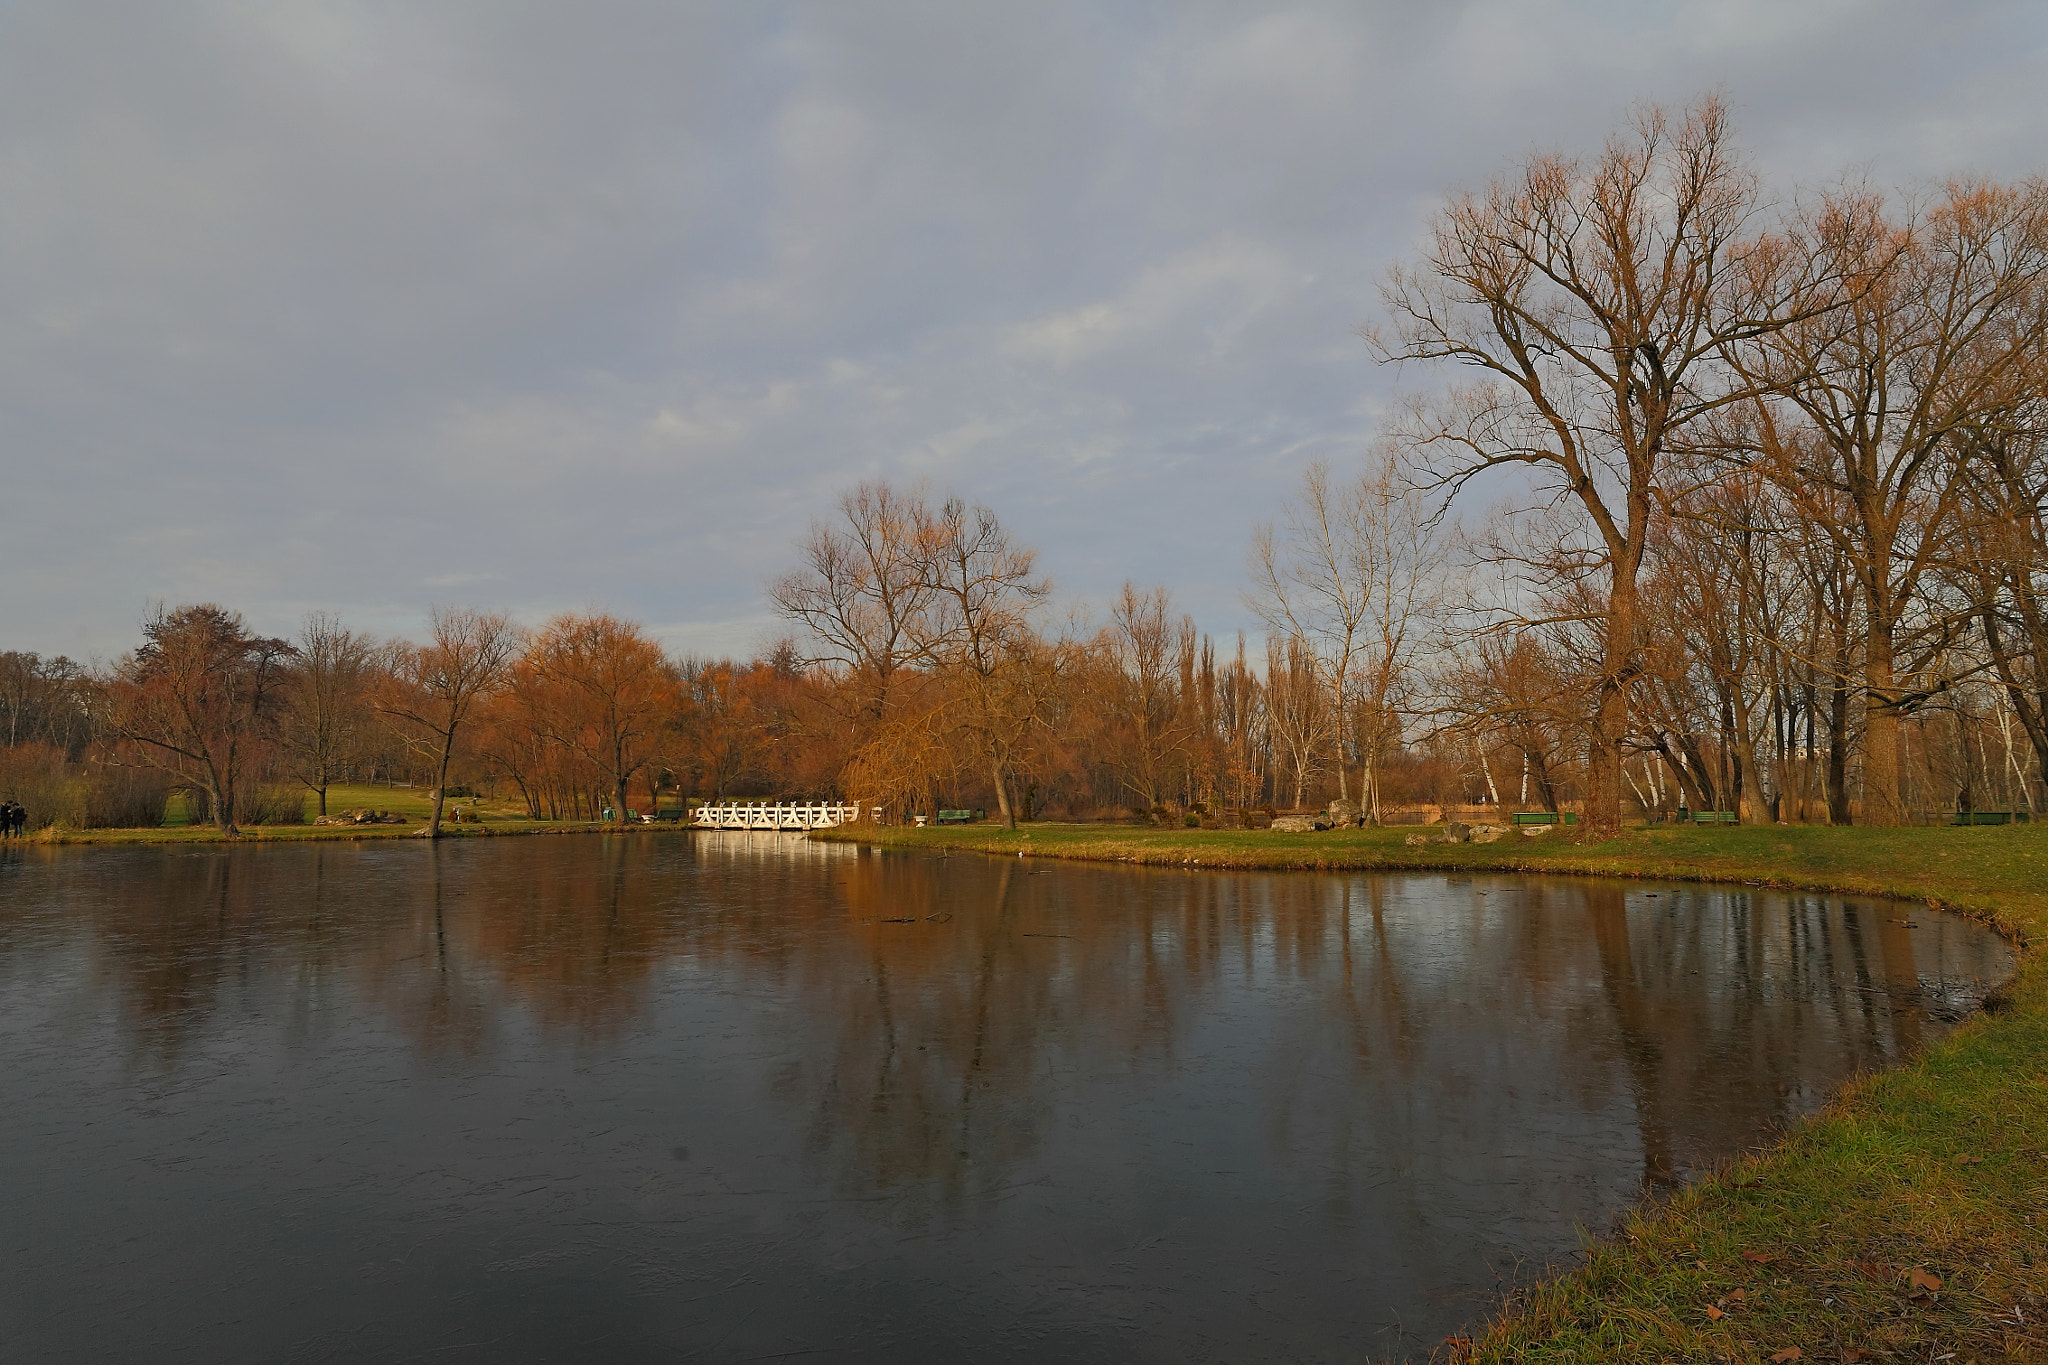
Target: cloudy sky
[{"x": 369, "y": 306}]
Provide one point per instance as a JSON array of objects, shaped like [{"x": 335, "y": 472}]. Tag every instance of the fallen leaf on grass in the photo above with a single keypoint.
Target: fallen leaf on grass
[
  {"x": 1789, "y": 1353},
  {"x": 1874, "y": 1270},
  {"x": 1714, "y": 1314},
  {"x": 1969, "y": 1161},
  {"x": 1921, "y": 1279},
  {"x": 1757, "y": 1257},
  {"x": 1734, "y": 1296}
]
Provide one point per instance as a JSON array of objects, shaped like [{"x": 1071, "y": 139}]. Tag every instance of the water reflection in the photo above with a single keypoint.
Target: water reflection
[{"x": 743, "y": 1094}]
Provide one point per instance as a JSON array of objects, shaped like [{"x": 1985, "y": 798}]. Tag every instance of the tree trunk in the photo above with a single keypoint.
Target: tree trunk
[
  {"x": 1602, "y": 819},
  {"x": 1684, "y": 768},
  {"x": 441, "y": 785},
  {"x": 1838, "y": 754},
  {"x": 321, "y": 790},
  {"x": 1748, "y": 776},
  {"x": 1479, "y": 752},
  {"x": 1881, "y": 801},
  {"x": 220, "y": 794},
  {"x": 1343, "y": 781},
  {"x": 1002, "y": 795}
]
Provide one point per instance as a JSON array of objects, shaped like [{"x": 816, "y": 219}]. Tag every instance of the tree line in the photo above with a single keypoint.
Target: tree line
[
  {"x": 575, "y": 719},
  {"x": 1712, "y": 501},
  {"x": 1783, "y": 470},
  {"x": 1764, "y": 533}
]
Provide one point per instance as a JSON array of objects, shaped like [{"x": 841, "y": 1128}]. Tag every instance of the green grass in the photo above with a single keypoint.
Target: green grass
[
  {"x": 414, "y": 803},
  {"x": 1939, "y": 1166},
  {"x": 417, "y": 802}
]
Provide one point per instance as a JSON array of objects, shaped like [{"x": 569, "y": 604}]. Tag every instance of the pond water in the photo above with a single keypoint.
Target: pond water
[{"x": 746, "y": 1097}]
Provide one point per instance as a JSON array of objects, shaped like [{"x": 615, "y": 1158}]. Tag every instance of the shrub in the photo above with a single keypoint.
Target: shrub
[
  {"x": 123, "y": 796},
  {"x": 37, "y": 776},
  {"x": 270, "y": 805}
]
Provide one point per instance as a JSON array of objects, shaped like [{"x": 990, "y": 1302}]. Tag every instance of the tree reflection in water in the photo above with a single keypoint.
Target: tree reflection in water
[{"x": 1116, "y": 1112}]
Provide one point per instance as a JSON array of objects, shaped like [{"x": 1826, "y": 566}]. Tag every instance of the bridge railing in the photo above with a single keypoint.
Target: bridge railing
[{"x": 775, "y": 815}]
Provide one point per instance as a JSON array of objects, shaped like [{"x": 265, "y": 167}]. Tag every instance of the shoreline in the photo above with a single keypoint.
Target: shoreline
[
  {"x": 1826, "y": 1242},
  {"x": 57, "y": 837}
]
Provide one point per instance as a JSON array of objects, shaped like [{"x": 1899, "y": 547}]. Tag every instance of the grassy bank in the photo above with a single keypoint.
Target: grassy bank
[
  {"x": 415, "y": 804},
  {"x": 1908, "y": 1221}
]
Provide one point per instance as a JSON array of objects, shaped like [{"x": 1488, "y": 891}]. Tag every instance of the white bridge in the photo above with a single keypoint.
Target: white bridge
[{"x": 768, "y": 815}]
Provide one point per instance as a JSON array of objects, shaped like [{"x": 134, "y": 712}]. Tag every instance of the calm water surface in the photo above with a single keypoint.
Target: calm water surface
[{"x": 735, "y": 1097}]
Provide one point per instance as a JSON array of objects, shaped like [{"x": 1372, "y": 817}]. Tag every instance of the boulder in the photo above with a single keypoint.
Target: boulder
[
  {"x": 1344, "y": 814},
  {"x": 361, "y": 817},
  {"x": 1299, "y": 824},
  {"x": 1486, "y": 834},
  {"x": 1457, "y": 832},
  {"x": 1416, "y": 840},
  {"x": 1532, "y": 831}
]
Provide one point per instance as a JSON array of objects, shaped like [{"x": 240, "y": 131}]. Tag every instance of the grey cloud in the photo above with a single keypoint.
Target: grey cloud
[{"x": 365, "y": 306}]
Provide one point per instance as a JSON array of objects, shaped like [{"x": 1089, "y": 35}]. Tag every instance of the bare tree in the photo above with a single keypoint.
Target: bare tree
[
  {"x": 1594, "y": 303},
  {"x": 1518, "y": 692},
  {"x": 327, "y": 703},
  {"x": 2005, "y": 566},
  {"x": 1309, "y": 584},
  {"x": 45, "y": 701},
  {"x": 1403, "y": 567},
  {"x": 431, "y": 690},
  {"x": 1909, "y": 337},
  {"x": 1358, "y": 572},
  {"x": 863, "y": 589},
  {"x": 1143, "y": 704},
  {"x": 1715, "y": 580},
  {"x": 984, "y": 588},
  {"x": 199, "y": 700},
  {"x": 1298, "y": 713}
]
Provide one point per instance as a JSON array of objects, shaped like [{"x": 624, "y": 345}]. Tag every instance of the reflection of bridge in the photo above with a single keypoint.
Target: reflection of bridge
[{"x": 770, "y": 815}]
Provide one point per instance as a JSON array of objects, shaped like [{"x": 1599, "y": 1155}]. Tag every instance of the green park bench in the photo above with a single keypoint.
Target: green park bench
[
  {"x": 1716, "y": 817},
  {"x": 1988, "y": 817},
  {"x": 1542, "y": 817},
  {"x": 958, "y": 817}
]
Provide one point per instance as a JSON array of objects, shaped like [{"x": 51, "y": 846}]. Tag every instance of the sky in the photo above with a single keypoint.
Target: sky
[{"x": 369, "y": 307}]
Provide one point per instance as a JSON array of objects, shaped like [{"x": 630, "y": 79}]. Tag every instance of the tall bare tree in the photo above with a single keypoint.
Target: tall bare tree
[
  {"x": 1593, "y": 304},
  {"x": 863, "y": 588},
  {"x": 977, "y": 633},
  {"x": 432, "y": 690},
  {"x": 1310, "y": 583},
  {"x": 326, "y": 703},
  {"x": 1144, "y": 706},
  {"x": 1298, "y": 715}
]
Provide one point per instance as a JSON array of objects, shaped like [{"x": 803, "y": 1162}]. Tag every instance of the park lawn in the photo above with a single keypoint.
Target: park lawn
[
  {"x": 1809, "y": 1251},
  {"x": 414, "y": 803},
  {"x": 208, "y": 834},
  {"x": 417, "y": 802}
]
